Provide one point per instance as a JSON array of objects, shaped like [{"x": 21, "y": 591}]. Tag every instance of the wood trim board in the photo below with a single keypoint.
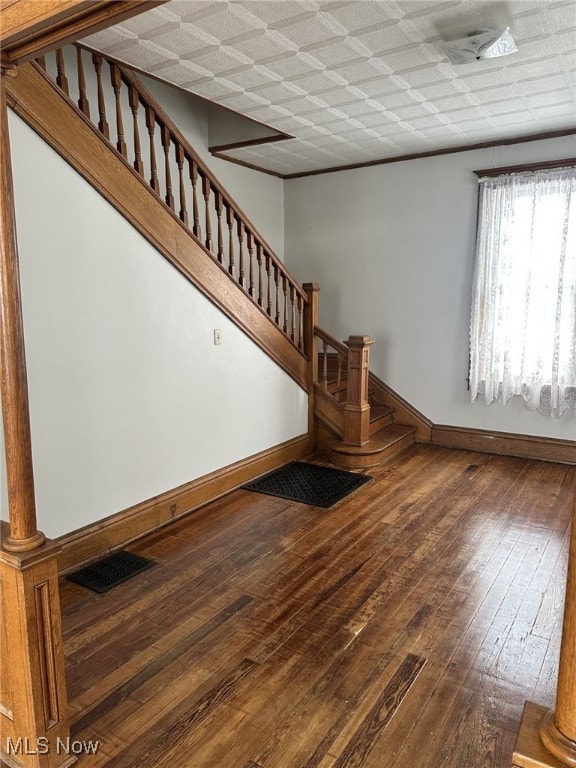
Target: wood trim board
[
  {"x": 505, "y": 443},
  {"x": 549, "y": 165},
  {"x": 34, "y": 27}
]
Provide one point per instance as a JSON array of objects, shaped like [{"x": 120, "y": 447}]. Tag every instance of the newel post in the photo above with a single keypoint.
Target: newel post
[
  {"x": 33, "y": 700},
  {"x": 311, "y": 347},
  {"x": 357, "y": 407},
  {"x": 547, "y": 739}
]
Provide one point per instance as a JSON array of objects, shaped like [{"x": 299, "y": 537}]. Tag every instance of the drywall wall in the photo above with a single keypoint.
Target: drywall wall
[
  {"x": 392, "y": 247},
  {"x": 129, "y": 397}
]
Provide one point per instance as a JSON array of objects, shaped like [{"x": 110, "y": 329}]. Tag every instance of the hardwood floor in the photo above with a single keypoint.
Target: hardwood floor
[{"x": 402, "y": 628}]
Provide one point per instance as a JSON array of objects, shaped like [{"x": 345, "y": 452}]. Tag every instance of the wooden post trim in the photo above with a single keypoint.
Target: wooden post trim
[
  {"x": 33, "y": 697},
  {"x": 558, "y": 729},
  {"x": 547, "y": 739},
  {"x": 357, "y": 407},
  {"x": 24, "y": 534}
]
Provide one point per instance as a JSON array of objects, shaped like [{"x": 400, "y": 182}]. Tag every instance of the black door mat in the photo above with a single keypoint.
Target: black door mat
[
  {"x": 308, "y": 483},
  {"x": 110, "y": 571}
]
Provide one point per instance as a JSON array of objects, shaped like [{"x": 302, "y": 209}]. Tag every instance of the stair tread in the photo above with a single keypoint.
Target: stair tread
[{"x": 378, "y": 442}]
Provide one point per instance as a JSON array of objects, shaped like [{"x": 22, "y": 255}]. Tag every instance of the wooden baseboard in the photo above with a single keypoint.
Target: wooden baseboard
[
  {"x": 505, "y": 443},
  {"x": 97, "y": 539}
]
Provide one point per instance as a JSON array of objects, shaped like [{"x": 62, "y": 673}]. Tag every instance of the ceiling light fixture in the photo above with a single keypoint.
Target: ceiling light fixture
[{"x": 483, "y": 44}]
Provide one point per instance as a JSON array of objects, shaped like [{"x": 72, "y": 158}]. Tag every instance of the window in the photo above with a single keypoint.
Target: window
[{"x": 523, "y": 325}]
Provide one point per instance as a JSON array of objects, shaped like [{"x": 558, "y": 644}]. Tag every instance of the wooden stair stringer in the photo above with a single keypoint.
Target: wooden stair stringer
[{"x": 38, "y": 101}]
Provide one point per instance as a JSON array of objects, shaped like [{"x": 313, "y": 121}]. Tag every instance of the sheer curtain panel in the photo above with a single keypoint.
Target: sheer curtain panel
[{"x": 523, "y": 325}]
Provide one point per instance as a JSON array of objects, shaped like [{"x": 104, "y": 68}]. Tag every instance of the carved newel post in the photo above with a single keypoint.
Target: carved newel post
[
  {"x": 357, "y": 407},
  {"x": 33, "y": 704},
  {"x": 547, "y": 739}
]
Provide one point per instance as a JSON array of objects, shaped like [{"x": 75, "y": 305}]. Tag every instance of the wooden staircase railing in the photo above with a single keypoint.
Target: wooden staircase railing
[
  {"x": 164, "y": 159},
  {"x": 188, "y": 216}
]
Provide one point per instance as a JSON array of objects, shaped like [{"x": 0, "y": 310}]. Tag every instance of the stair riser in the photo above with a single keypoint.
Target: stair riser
[
  {"x": 380, "y": 423},
  {"x": 364, "y": 461}
]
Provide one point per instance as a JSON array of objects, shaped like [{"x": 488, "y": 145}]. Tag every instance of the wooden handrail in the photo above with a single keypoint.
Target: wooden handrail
[
  {"x": 331, "y": 341},
  {"x": 177, "y": 173},
  {"x": 325, "y": 357}
]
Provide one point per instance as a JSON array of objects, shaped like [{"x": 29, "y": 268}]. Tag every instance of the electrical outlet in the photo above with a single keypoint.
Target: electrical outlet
[{"x": 217, "y": 336}]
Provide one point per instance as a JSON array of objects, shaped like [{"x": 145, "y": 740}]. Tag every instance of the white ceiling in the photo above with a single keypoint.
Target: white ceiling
[{"x": 362, "y": 80}]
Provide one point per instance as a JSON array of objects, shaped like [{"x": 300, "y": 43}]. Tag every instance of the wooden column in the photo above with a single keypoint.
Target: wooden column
[
  {"x": 13, "y": 381},
  {"x": 311, "y": 349},
  {"x": 357, "y": 407},
  {"x": 547, "y": 739},
  {"x": 33, "y": 702}
]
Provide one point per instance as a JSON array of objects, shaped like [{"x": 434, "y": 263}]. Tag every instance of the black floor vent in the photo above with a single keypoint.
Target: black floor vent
[
  {"x": 110, "y": 571},
  {"x": 308, "y": 483}
]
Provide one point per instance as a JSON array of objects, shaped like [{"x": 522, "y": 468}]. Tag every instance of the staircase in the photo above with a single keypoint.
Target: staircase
[
  {"x": 143, "y": 165},
  {"x": 357, "y": 430}
]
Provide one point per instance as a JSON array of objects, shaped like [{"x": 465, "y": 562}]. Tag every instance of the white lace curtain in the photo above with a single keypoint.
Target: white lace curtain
[{"x": 523, "y": 326}]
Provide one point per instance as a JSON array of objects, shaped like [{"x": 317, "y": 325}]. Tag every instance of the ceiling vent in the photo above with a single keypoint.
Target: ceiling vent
[{"x": 480, "y": 45}]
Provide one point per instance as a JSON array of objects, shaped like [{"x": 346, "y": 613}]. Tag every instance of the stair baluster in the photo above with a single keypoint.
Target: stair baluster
[
  {"x": 151, "y": 125},
  {"x": 219, "y": 204},
  {"x": 134, "y": 104},
  {"x": 165, "y": 135},
  {"x": 250, "y": 246},
  {"x": 324, "y": 380},
  {"x": 230, "y": 222},
  {"x": 277, "y": 295},
  {"x": 98, "y": 60},
  {"x": 61, "y": 78},
  {"x": 269, "y": 281},
  {"x": 285, "y": 304},
  {"x": 196, "y": 230},
  {"x": 206, "y": 194},
  {"x": 300, "y": 323},
  {"x": 180, "y": 157},
  {"x": 116, "y": 85},
  {"x": 83, "y": 104},
  {"x": 241, "y": 253},
  {"x": 259, "y": 262}
]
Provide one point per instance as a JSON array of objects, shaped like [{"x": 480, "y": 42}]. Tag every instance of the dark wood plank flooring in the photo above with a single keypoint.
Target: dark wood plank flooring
[{"x": 402, "y": 628}]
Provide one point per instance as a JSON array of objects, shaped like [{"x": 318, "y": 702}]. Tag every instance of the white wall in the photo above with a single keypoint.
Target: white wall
[
  {"x": 392, "y": 247},
  {"x": 128, "y": 395}
]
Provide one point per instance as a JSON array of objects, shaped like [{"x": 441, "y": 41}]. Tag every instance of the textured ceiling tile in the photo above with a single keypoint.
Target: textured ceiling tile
[
  {"x": 264, "y": 45},
  {"x": 227, "y": 22},
  {"x": 311, "y": 32},
  {"x": 221, "y": 60},
  {"x": 365, "y": 15},
  {"x": 278, "y": 13},
  {"x": 337, "y": 72}
]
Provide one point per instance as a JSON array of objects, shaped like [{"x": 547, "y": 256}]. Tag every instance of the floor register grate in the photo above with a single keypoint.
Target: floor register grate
[
  {"x": 110, "y": 571},
  {"x": 308, "y": 483}
]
